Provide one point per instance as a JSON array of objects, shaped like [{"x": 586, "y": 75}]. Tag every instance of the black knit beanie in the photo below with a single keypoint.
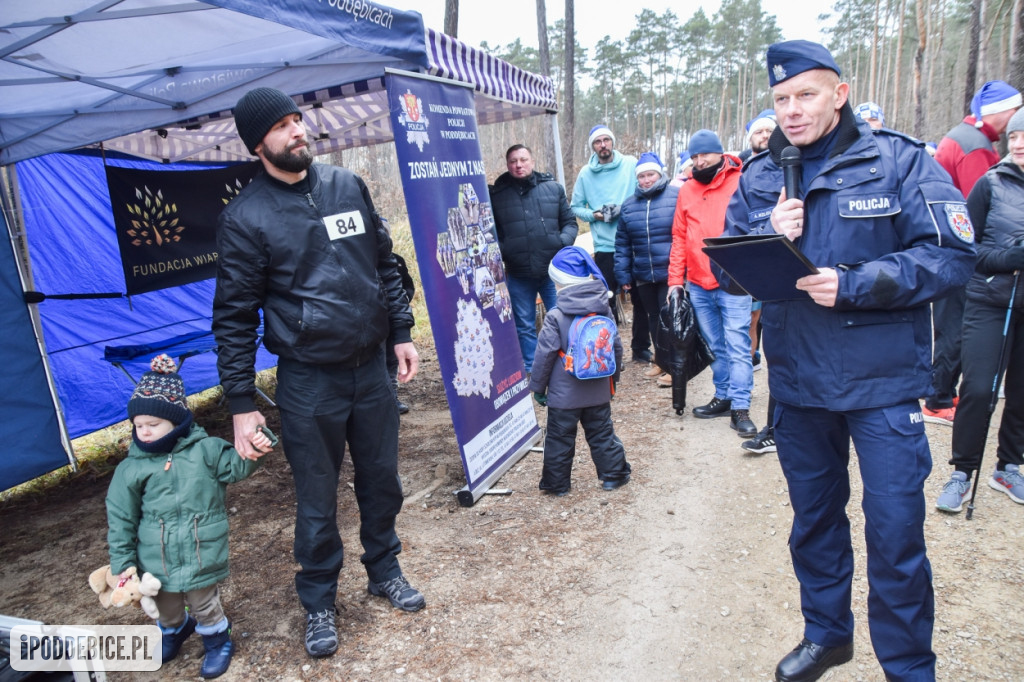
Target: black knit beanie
[
  {"x": 160, "y": 393},
  {"x": 258, "y": 111}
]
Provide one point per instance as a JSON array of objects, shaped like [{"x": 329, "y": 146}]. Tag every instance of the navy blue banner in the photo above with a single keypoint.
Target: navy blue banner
[
  {"x": 166, "y": 222},
  {"x": 463, "y": 276},
  {"x": 368, "y": 25}
]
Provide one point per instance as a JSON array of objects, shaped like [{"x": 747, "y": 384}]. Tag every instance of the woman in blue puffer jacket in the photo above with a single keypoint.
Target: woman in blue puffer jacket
[{"x": 643, "y": 242}]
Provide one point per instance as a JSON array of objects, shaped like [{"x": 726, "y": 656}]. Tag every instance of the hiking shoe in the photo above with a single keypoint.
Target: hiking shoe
[
  {"x": 171, "y": 639},
  {"x": 401, "y": 594},
  {"x": 665, "y": 380},
  {"x": 740, "y": 420},
  {"x": 716, "y": 408},
  {"x": 761, "y": 443},
  {"x": 756, "y": 361},
  {"x": 653, "y": 371},
  {"x": 643, "y": 356},
  {"x": 612, "y": 485},
  {"x": 953, "y": 493},
  {"x": 943, "y": 415},
  {"x": 321, "y": 633},
  {"x": 1010, "y": 482}
]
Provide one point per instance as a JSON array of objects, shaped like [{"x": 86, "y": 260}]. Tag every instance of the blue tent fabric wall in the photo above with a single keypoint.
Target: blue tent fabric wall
[
  {"x": 73, "y": 247},
  {"x": 29, "y": 429}
]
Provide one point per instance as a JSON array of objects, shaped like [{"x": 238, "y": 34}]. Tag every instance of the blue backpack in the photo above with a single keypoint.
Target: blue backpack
[{"x": 590, "y": 350}]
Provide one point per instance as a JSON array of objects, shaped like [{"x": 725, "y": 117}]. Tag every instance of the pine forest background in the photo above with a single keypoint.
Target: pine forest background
[{"x": 920, "y": 60}]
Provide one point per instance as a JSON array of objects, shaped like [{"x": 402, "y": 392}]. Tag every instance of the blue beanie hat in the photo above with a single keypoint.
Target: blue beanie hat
[
  {"x": 597, "y": 131},
  {"x": 992, "y": 98},
  {"x": 649, "y": 161},
  {"x": 705, "y": 142},
  {"x": 866, "y": 110},
  {"x": 792, "y": 57},
  {"x": 573, "y": 265}
]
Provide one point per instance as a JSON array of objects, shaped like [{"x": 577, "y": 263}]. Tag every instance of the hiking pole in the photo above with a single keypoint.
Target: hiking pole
[{"x": 1000, "y": 369}]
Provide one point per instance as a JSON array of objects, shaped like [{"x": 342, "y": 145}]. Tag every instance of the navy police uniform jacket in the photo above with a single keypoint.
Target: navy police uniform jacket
[{"x": 887, "y": 217}]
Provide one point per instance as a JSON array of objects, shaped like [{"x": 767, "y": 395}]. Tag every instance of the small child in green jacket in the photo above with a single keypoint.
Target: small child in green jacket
[{"x": 166, "y": 513}]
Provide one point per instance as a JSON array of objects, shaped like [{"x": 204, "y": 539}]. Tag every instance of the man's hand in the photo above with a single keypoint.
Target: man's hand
[
  {"x": 408, "y": 361},
  {"x": 788, "y": 217},
  {"x": 823, "y": 287},
  {"x": 598, "y": 217},
  {"x": 247, "y": 429}
]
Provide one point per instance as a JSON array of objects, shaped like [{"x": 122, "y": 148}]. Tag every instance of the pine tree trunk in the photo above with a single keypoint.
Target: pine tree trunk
[
  {"x": 569, "y": 118},
  {"x": 451, "y": 18}
]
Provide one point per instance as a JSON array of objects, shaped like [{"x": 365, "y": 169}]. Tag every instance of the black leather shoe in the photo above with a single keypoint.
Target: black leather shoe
[
  {"x": 402, "y": 407},
  {"x": 716, "y": 408},
  {"x": 612, "y": 485},
  {"x": 809, "y": 661},
  {"x": 741, "y": 422}
]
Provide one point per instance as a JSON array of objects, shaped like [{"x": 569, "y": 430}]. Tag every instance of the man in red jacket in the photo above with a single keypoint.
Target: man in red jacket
[
  {"x": 724, "y": 318},
  {"x": 966, "y": 152}
]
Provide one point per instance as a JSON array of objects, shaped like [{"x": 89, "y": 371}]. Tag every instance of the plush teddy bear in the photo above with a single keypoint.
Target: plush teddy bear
[{"x": 130, "y": 590}]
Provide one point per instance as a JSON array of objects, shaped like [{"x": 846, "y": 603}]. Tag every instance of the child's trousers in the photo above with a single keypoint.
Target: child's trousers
[
  {"x": 203, "y": 603},
  {"x": 560, "y": 446}
]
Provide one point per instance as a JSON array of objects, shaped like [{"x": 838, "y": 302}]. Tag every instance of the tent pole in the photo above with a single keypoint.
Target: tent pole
[{"x": 558, "y": 148}]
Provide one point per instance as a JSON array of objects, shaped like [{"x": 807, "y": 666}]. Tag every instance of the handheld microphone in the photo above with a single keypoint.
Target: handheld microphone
[{"x": 790, "y": 162}]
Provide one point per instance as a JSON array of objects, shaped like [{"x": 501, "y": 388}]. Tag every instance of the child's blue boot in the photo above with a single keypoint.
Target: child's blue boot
[
  {"x": 219, "y": 648},
  {"x": 172, "y": 638}
]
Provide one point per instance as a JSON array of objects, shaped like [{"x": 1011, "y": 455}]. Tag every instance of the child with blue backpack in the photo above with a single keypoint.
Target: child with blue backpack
[{"x": 578, "y": 339}]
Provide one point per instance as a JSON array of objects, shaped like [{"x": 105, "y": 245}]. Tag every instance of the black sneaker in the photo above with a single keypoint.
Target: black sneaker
[
  {"x": 401, "y": 594},
  {"x": 716, "y": 408},
  {"x": 321, "y": 633},
  {"x": 643, "y": 356},
  {"x": 741, "y": 422},
  {"x": 762, "y": 442}
]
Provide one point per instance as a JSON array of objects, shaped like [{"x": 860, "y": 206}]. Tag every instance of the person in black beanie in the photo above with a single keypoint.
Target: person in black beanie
[
  {"x": 178, "y": 475},
  {"x": 303, "y": 244}
]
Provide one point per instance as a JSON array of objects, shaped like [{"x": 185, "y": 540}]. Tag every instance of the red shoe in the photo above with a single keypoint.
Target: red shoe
[{"x": 943, "y": 415}]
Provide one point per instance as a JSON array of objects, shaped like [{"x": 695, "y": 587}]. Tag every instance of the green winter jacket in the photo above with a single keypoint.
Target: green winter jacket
[{"x": 172, "y": 522}]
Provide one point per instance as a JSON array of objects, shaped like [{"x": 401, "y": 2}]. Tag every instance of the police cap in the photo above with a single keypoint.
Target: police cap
[{"x": 792, "y": 57}]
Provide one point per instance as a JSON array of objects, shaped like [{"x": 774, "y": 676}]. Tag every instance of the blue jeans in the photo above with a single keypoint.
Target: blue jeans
[
  {"x": 724, "y": 322},
  {"x": 523, "y": 292}
]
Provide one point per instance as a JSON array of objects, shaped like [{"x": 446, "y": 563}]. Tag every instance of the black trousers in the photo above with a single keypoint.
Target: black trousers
[
  {"x": 605, "y": 261},
  {"x": 323, "y": 407},
  {"x": 982, "y": 338},
  {"x": 652, "y": 296},
  {"x": 560, "y": 446},
  {"x": 947, "y": 323}
]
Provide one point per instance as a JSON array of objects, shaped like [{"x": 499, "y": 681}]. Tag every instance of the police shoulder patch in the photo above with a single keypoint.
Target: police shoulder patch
[{"x": 959, "y": 222}]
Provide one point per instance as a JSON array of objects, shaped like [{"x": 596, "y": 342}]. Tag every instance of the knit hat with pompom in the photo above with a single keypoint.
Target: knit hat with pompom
[{"x": 160, "y": 393}]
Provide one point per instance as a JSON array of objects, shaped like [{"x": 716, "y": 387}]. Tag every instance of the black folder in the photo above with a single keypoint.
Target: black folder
[{"x": 767, "y": 266}]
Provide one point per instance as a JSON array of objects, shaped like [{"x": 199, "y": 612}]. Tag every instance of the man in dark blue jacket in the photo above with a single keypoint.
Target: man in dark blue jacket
[
  {"x": 888, "y": 233},
  {"x": 303, "y": 243},
  {"x": 533, "y": 221}
]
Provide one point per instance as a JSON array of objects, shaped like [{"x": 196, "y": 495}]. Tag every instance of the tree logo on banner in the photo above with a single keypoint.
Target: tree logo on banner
[
  {"x": 413, "y": 120},
  {"x": 154, "y": 222}
]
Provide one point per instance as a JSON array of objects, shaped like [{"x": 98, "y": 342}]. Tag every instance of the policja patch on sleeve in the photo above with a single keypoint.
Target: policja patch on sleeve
[{"x": 959, "y": 222}]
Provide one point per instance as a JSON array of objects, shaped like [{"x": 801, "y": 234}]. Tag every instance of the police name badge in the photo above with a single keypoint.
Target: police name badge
[
  {"x": 341, "y": 225},
  {"x": 959, "y": 222}
]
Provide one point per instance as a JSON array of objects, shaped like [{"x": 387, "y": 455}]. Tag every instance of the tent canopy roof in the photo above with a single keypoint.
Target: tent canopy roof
[{"x": 158, "y": 78}]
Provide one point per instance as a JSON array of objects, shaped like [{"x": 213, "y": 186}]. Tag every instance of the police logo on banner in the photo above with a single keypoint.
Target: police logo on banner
[
  {"x": 413, "y": 120},
  {"x": 959, "y": 222}
]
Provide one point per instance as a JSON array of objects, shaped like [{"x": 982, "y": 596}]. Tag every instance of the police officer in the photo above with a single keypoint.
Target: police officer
[{"x": 889, "y": 233}]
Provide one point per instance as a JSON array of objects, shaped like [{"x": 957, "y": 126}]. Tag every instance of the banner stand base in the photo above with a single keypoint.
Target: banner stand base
[{"x": 467, "y": 497}]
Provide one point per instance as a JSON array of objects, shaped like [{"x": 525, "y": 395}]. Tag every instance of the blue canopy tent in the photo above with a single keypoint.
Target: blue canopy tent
[{"x": 156, "y": 79}]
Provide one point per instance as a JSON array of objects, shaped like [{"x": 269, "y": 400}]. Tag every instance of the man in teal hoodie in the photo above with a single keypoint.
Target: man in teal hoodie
[{"x": 603, "y": 184}]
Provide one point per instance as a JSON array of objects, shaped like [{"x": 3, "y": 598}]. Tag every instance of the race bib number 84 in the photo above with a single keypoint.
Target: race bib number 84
[{"x": 343, "y": 225}]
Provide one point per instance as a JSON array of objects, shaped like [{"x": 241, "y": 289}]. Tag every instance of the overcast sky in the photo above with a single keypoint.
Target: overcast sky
[{"x": 499, "y": 22}]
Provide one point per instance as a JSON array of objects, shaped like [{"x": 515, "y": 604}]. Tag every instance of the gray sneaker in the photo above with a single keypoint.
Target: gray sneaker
[
  {"x": 401, "y": 594},
  {"x": 321, "y": 633},
  {"x": 1010, "y": 482},
  {"x": 953, "y": 493}
]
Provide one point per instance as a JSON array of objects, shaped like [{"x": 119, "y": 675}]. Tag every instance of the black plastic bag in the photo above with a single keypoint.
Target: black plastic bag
[{"x": 680, "y": 348}]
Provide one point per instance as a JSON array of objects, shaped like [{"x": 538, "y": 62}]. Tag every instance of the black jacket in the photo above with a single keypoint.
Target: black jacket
[
  {"x": 996, "y": 207},
  {"x": 317, "y": 260},
  {"x": 532, "y": 220}
]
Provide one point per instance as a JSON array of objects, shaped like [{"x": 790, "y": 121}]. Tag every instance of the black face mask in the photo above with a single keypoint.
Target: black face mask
[{"x": 706, "y": 175}]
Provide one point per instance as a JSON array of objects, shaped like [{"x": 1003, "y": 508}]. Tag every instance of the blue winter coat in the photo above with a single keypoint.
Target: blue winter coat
[
  {"x": 532, "y": 221},
  {"x": 887, "y": 217},
  {"x": 643, "y": 239}
]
